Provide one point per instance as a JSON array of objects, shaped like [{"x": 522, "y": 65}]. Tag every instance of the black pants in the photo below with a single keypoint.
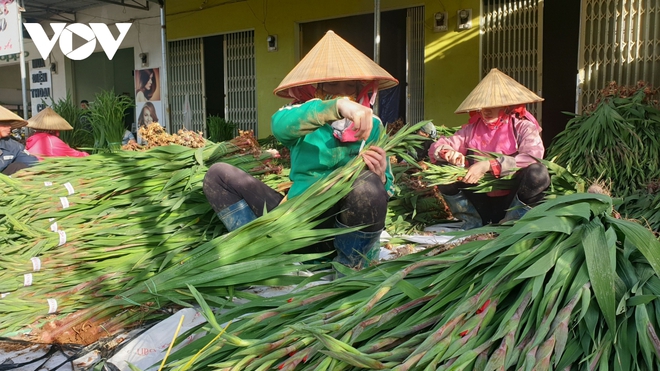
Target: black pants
[
  {"x": 529, "y": 184},
  {"x": 366, "y": 204},
  {"x": 14, "y": 167}
]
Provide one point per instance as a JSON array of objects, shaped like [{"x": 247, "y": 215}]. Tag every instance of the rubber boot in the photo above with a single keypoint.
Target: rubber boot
[
  {"x": 236, "y": 215},
  {"x": 516, "y": 210},
  {"x": 463, "y": 209},
  {"x": 356, "y": 249}
]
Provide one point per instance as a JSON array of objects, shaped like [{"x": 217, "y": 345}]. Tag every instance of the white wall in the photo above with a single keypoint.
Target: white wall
[
  {"x": 143, "y": 36},
  {"x": 10, "y": 76}
]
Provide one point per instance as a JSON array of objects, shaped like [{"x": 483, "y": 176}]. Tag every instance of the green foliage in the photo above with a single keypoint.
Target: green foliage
[
  {"x": 219, "y": 129},
  {"x": 619, "y": 140},
  {"x": 567, "y": 287},
  {"x": 562, "y": 181},
  {"x": 643, "y": 205},
  {"x": 80, "y": 136},
  {"x": 106, "y": 116}
]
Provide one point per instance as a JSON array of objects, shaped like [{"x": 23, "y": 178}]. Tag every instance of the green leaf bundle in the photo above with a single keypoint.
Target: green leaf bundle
[
  {"x": 567, "y": 287},
  {"x": 617, "y": 141},
  {"x": 106, "y": 116}
]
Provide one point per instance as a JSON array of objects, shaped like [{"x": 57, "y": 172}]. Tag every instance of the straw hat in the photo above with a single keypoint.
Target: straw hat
[
  {"x": 334, "y": 59},
  {"x": 497, "y": 90},
  {"x": 9, "y": 117},
  {"x": 48, "y": 119}
]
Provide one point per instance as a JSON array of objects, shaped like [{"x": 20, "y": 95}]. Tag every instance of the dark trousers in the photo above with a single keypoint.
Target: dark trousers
[
  {"x": 529, "y": 184},
  {"x": 366, "y": 204},
  {"x": 14, "y": 167}
]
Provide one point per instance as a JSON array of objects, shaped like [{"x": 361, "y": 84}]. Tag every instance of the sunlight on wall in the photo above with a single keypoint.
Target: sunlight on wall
[{"x": 451, "y": 57}]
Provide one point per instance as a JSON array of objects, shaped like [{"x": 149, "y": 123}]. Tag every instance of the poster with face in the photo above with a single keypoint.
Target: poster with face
[
  {"x": 147, "y": 85},
  {"x": 147, "y": 113},
  {"x": 148, "y": 107}
]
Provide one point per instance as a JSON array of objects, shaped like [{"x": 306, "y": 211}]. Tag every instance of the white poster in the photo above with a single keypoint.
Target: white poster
[
  {"x": 9, "y": 28},
  {"x": 40, "y": 88},
  {"x": 148, "y": 107}
]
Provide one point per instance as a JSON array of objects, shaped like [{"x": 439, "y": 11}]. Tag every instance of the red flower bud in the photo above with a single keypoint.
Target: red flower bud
[{"x": 483, "y": 307}]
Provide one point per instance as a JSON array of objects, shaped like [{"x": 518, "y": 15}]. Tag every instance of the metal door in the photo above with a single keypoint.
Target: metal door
[
  {"x": 511, "y": 41},
  {"x": 240, "y": 80},
  {"x": 620, "y": 41},
  {"x": 186, "y": 79},
  {"x": 415, "y": 62}
]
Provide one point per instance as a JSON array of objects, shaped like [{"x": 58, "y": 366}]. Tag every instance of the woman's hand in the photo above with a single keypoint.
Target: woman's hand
[
  {"x": 453, "y": 157},
  {"x": 376, "y": 160},
  {"x": 476, "y": 172},
  {"x": 361, "y": 116}
]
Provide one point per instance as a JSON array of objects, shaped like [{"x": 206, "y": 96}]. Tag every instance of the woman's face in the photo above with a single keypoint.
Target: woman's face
[
  {"x": 340, "y": 88},
  {"x": 149, "y": 82},
  {"x": 5, "y": 130},
  {"x": 491, "y": 115},
  {"x": 146, "y": 117}
]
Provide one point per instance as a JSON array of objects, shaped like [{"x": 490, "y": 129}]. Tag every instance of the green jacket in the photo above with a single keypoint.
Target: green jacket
[{"x": 315, "y": 153}]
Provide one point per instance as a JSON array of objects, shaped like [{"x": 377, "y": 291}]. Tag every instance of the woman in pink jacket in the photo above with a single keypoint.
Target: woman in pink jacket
[
  {"x": 500, "y": 124},
  {"x": 46, "y": 142}
]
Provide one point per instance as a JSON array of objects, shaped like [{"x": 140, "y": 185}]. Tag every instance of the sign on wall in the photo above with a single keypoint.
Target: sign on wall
[
  {"x": 9, "y": 28},
  {"x": 40, "y": 85}
]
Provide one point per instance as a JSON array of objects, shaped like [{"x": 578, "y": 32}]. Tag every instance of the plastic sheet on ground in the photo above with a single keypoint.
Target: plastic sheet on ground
[
  {"x": 32, "y": 357},
  {"x": 149, "y": 348}
]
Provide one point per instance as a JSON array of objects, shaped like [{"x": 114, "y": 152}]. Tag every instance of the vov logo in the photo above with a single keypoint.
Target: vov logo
[{"x": 91, "y": 33}]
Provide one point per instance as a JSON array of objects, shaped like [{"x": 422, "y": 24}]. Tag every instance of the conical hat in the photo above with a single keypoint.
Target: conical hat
[
  {"x": 497, "y": 90},
  {"x": 334, "y": 59},
  {"x": 9, "y": 117},
  {"x": 48, "y": 119}
]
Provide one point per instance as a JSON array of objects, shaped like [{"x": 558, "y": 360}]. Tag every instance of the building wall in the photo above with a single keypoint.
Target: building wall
[
  {"x": 451, "y": 57},
  {"x": 143, "y": 36},
  {"x": 10, "y": 77}
]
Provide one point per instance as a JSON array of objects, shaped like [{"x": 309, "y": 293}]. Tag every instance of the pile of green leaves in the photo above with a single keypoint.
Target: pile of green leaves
[
  {"x": 562, "y": 181},
  {"x": 619, "y": 140},
  {"x": 106, "y": 116},
  {"x": 219, "y": 130},
  {"x": 104, "y": 221},
  {"x": 414, "y": 204},
  {"x": 645, "y": 206},
  {"x": 136, "y": 229},
  {"x": 568, "y": 287},
  {"x": 80, "y": 136}
]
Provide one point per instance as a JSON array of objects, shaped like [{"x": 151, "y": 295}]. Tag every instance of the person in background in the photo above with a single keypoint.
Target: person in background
[
  {"x": 146, "y": 85},
  {"x": 85, "y": 123},
  {"x": 325, "y": 127},
  {"x": 129, "y": 121},
  {"x": 47, "y": 125},
  {"x": 128, "y": 135},
  {"x": 13, "y": 156},
  {"x": 499, "y": 124}
]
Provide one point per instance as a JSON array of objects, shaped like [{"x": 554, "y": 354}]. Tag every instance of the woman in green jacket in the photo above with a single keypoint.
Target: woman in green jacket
[{"x": 328, "y": 123}]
